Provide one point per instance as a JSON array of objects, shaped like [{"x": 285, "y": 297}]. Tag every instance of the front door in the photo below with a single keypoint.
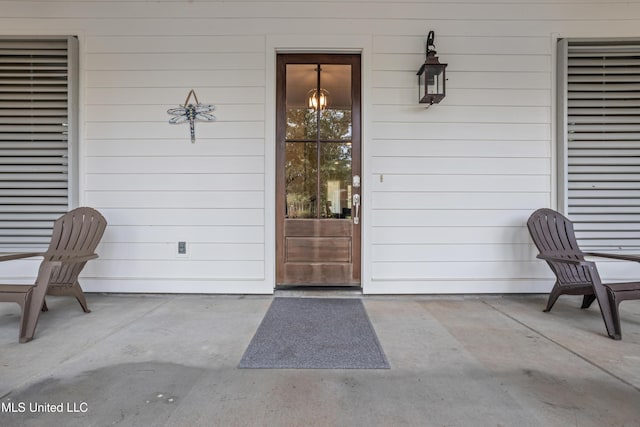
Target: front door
[{"x": 318, "y": 183}]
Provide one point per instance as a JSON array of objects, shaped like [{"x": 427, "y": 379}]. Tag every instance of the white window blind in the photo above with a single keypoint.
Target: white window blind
[
  {"x": 602, "y": 138},
  {"x": 37, "y": 108}
]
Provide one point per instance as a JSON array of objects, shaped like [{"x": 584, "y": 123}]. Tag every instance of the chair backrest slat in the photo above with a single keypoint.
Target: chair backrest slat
[
  {"x": 553, "y": 235},
  {"x": 76, "y": 233}
]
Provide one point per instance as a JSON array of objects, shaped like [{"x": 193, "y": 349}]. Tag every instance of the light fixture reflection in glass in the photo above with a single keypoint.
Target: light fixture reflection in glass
[{"x": 318, "y": 98}]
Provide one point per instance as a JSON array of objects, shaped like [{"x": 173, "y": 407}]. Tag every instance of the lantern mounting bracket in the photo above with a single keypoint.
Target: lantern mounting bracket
[{"x": 430, "y": 41}]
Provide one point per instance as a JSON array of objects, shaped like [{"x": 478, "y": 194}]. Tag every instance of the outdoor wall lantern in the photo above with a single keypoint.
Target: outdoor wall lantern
[{"x": 431, "y": 76}]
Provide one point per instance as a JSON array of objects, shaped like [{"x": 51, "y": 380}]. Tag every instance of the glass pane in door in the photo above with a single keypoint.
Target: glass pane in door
[
  {"x": 301, "y": 174},
  {"x": 335, "y": 176},
  {"x": 335, "y": 116},
  {"x": 318, "y": 160}
]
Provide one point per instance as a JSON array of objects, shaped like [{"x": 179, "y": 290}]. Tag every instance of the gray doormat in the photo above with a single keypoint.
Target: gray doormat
[{"x": 315, "y": 333}]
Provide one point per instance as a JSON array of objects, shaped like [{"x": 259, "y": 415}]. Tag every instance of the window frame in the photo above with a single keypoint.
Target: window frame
[
  {"x": 604, "y": 235},
  {"x": 14, "y": 241}
]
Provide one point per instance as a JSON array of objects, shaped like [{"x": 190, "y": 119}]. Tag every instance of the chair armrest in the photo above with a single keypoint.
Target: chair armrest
[
  {"x": 65, "y": 260},
  {"x": 571, "y": 261},
  {"x": 10, "y": 257},
  {"x": 634, "y": 258},
  {"x": 52, "y": 264},
  {"x": 76, "y": 259}
]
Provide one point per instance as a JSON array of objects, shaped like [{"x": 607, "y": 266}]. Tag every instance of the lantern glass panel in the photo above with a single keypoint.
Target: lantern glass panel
[{"x": 434, "y": 81}]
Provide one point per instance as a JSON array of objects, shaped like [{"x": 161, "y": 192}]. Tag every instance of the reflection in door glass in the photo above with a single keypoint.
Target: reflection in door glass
[
  {"x": 318, "y": 141},
  {"x": 301, "y": 175},
  {"x": 335, "y": 176},
  {"x": 302, "y": 125},
  {"x": 335, "y": 117},
  {"x": 301, "y": 119}
]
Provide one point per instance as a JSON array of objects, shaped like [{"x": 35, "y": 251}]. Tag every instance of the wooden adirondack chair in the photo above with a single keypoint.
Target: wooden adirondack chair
[
  {"x": 30, "y": 299},
  {"x": 75, "y": 237},
  {"x": 554, "y": 236}
]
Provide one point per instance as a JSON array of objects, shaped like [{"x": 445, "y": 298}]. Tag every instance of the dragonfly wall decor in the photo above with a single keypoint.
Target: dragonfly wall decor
[{"x": 191, "y": 113}]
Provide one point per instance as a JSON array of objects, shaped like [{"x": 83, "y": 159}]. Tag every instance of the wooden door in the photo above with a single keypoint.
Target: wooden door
[{"x": 318, "y": 169}]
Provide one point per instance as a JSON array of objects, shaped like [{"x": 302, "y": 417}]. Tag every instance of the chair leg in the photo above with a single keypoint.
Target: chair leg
[
  {"x": 602, "y": 295},
  {"x": 77, "y": 292},
  {"x": 32, "y": 314},
  {"x": 553, "y": 297},
  {"x": 44, "y": 306},
  {"x": 588, "y": 300},
  {"x": 615, "y": 314},
  {"x": 24, "y": 317},
  {"x": 34, "y": 308}
]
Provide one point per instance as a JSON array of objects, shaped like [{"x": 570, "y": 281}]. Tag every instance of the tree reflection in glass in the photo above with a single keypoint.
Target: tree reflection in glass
[{"x": 318, "y": 144}]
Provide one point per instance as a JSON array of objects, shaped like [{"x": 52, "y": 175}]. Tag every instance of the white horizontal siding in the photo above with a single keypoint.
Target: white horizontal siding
[
  {"x": 460, "y": 166},
  {"x": 479, "y": 45},
  {"x": 221, "y": 66},
  {"x": 173, "y": 95},
  {"x": 174, "y": 43},
  {"x": 461, "y": 200},
  {"x": 446, "y": 113},
  {"x": 469, "y": 148},
  {"x": 464, "y": 63},
  {"x": 177, "y": 216},
  {"x": 503, "y": 80},
  {"x": 146, "y": 175},
  {"x": 500, "y": 25},
  {"x": 451, "y": 234},
  {"x": 467, "y": 97},
  {"x": 179, "y": 181},
  {"x": 447, "y": 189},
  {"x": 469, "y": 270},
  {"x": 155, "y": 113},
  {"x": 472, "y": 11},
  {"x": 433, "y": 217},
  {"x": 219, "y": 147},
  {"x": 445, "y": 131},
  {"x": 197, "y": 251},
  {"x": 124, "y": 234},
  {"x": 177, "y": 269},
  {"x": 169, "y": 199},
  {"x": 207, "y": 130},
  {"x": 460, "y": 182},
  {"x": 152, "y": 78},
  {"x": 171, "y": 165},
  {"x": 452, "y": 186},
  {"x": 452, "y": 253}
]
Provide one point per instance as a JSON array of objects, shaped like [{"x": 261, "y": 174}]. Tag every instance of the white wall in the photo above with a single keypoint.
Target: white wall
[{"x": 447, "y": 190}]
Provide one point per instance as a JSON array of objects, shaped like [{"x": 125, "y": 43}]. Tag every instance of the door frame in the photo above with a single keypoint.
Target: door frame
[
  {"x": 354, "y": 277},
  {"x": 315, "y": 43}
]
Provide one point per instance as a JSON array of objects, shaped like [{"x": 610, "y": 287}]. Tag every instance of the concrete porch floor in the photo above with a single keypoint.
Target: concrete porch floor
[{"x": 170, "y": 360}]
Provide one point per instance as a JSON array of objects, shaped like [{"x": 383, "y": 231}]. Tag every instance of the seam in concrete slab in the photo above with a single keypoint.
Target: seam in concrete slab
[{"x": 590, "y": 362}]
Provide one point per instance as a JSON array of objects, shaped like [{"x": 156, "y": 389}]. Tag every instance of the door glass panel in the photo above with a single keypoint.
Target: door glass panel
[
  {"x": 318, "y": 157},
  {"x": 301, "y": 174},
  {"x": 302, "y": 125},
  {"x": 335, "y": 117},
  {"x": 335, "y": 176},
  {"x": 301, "y": 120}
]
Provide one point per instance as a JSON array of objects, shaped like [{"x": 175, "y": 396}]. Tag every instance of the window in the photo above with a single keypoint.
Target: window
[
  {"x": 599, "y": 141},
  {"x": 38, "y": 132}
]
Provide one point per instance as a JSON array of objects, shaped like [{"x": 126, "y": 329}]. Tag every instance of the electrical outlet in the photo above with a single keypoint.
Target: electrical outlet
[{"x": 182, "y": 248}]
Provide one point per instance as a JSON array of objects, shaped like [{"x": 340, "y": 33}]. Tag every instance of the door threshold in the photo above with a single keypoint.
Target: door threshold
[{"x": 318, "y": 291}]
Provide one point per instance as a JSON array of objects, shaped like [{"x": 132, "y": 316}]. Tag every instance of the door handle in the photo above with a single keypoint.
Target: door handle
[{"x": 356, "y": 206}]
